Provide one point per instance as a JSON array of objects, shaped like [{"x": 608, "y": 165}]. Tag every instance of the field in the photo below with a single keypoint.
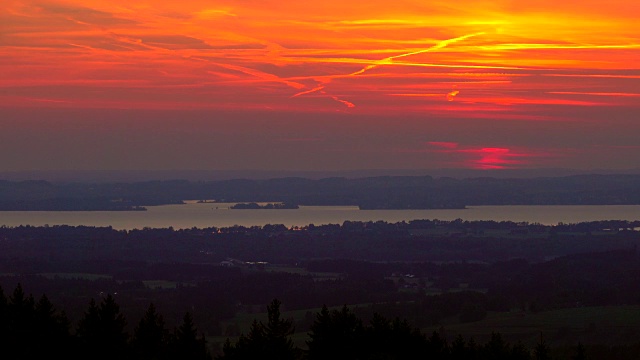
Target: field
[
  {"x": 84, "y": 276},
  {"x": 596, "y": 325},
  {"x": 605, "y": 325},
  {"x": 302, "y": 271}
]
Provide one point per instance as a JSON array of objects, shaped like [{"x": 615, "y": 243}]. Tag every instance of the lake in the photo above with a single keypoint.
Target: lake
[{"x": 194, "y": 214}]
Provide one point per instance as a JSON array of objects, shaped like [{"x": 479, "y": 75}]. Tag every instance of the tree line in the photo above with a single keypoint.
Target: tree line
[
  {"x": 340, "y": 334},
  {"x": 416, "y": 240},
  {"x": 32, "y": 329},
  {"x": 35, "y": 329}
]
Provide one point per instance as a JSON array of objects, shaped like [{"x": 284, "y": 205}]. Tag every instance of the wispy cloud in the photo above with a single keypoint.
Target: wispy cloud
[
  {"x": 370, "y": 57},
  {"x": 485, "y": 157}
]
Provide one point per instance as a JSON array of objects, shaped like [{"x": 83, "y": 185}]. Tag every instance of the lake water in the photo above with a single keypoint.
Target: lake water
[{"x": 193, "y": 214}]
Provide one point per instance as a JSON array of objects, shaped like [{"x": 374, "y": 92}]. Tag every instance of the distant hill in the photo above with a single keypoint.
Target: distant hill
[
  {"x": 214, "y": 175},
  {"x": 379, "y": 192}
]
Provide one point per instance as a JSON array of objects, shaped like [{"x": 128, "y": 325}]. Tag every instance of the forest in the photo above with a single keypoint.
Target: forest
[
  {"x": 566, "y": 286},
  {"x": 36, "y": 329}
]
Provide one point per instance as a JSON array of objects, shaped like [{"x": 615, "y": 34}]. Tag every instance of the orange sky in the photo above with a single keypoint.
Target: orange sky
[{"x": 494, "y": 62}]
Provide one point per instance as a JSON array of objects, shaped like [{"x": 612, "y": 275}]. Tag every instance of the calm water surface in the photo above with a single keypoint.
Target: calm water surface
[{"x": 193, "y": 214}]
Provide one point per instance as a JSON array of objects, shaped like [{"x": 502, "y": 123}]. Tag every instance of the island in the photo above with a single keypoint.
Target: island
[{"x": 269, "y": 206}]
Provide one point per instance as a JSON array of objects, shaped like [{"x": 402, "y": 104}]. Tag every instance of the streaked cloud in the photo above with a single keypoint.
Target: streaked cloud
[
  {"x": 505, "y": 63},
  {"x": 385, "y": 48},
  {"x": 486, "y": 157}
]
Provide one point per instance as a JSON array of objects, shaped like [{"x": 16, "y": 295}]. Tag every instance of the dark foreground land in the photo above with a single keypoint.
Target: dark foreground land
[{"x": 495, "y": 289}]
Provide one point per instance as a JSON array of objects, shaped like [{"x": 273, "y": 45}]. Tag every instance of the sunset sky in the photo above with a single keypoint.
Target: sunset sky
[{"x": 325, "y": 85}]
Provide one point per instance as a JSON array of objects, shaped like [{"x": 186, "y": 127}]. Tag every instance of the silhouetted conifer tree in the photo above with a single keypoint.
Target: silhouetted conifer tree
[
  {"x": 270, "y": 341},
  {"x": 459, "y": 349},
  {"x": 101, "y": 331},
  {"x": 408, "y": 341},
  {"x": 542, "y": 350},
  {"x": 248, "y": 346},
  {"x": 51, "y": 330},
  {"x": 21, "y": 313},
  {"x": 385, "y": 339},
  {"x": 581, "y": 353},
  {"x": 186, "y": 345},
  {"x": 150, "y": 336},
  {"x": 437, "y": 347},
  {"x": 520, "y": 352},
  {"x": 472, "y": 349},
  {"x": 336, "y": 334},
  {"x": 496, "y": 348},
  {"x": 278, "y": 333},
  {"x": 378, "y": 332},
  {"x": 4, "y": 320}
]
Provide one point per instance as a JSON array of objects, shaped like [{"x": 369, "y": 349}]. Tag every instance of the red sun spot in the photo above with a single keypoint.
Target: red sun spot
[{"x": 494, "y": 158}]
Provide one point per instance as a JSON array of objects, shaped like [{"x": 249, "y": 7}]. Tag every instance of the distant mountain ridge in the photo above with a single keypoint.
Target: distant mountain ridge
[
  {"x": 101, "y": 176},
  {"x": 380, "y": 192}
]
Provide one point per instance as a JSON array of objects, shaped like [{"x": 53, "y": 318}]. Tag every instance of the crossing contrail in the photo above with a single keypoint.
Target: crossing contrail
[
  {"x": 440, "y": 45},
  {"x": 389, "y": 61}
]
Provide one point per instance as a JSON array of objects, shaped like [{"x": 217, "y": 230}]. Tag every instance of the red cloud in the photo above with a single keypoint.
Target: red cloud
[
  {"x": 484, "y": 157},
  {"x": 494, "y": 158},
  {"x": 443, "y": 144}
]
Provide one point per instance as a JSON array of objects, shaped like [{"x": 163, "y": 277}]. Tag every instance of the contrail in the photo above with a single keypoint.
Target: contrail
[
  {"x": 345, "y": 102},
  {"x": 320, "y": 89},
  {"x": 389, "y": 61},
  {"x": 309, "y": 91},
  {"x": 261, "y": 75},
  {"x": 440, "y": 45}
]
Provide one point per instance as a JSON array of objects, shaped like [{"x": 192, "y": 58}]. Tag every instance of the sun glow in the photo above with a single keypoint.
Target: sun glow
[
  {"x": 501, "y": 62},
  {"x": 139, "y": 49}
]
